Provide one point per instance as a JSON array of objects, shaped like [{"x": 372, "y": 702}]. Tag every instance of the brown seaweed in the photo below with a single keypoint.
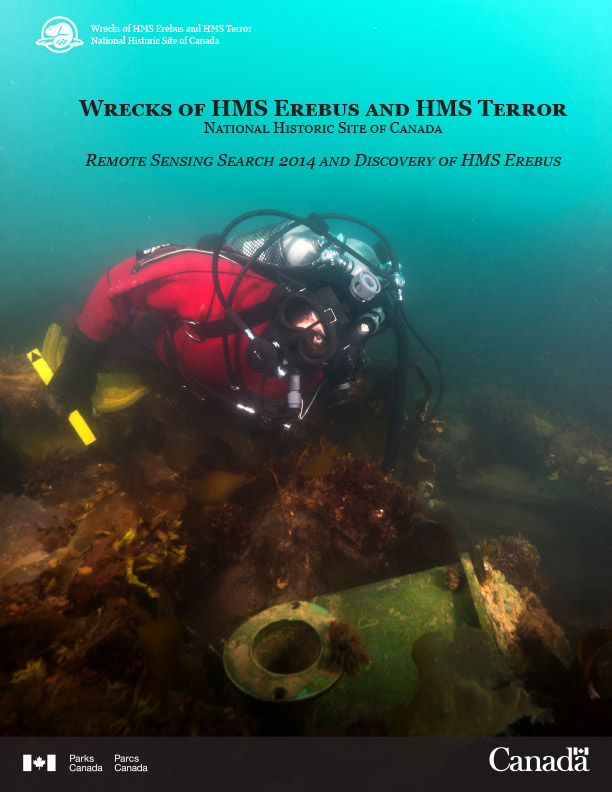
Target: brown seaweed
[
  {"x": 346, "y": 651},
  {"x": 517, "y": 558}
]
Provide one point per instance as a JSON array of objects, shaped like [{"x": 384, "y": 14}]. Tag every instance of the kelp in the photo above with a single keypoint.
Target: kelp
[
  {"x": 323, "y": 462},
  {"x": 181, "y": 451},
  {"x": 218, "y": 486},
  {"x": 588, "y": 653}
]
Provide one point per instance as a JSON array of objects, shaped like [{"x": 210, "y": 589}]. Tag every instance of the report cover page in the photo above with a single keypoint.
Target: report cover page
[{"x": 304, "y": 386}]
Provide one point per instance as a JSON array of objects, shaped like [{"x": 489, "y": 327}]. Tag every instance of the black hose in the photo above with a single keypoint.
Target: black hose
[
  {"x": 434, "y": 410},
  {"x": 226, "y": 302},
  {"x": 400, "y": 391},
  {"x": 388, "y": 246},
  {"x": 395, "y": 441}
]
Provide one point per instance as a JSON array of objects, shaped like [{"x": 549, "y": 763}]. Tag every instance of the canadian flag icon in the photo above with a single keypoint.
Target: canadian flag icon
[{"x": 39, "y": 763}]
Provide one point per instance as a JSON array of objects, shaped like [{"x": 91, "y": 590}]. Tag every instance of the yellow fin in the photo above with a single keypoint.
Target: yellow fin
[
  {"x": 115, "y": 391},
  {"x": 81, "y": 427},
  {"x": 41, "y": 367},
  {"x": 54, "y": 347}
]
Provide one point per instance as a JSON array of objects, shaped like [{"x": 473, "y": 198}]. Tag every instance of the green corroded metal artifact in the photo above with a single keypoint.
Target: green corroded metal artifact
[{"x": 281, "y": 653}]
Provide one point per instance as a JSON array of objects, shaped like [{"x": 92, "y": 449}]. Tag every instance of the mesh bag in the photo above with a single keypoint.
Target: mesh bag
[
  {"x": 115, "y": 391},
  {"x": 249, "y": 243}
]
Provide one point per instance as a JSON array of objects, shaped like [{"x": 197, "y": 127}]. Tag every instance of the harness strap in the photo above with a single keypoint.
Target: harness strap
[{"x": 252, "y": 317}]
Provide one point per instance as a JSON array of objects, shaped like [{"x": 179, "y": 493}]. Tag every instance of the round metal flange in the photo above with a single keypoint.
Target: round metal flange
[{"x": 281, "y": 654}]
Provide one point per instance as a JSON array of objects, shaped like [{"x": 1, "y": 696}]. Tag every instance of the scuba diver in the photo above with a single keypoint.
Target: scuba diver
[{"x": 265, "y": 320}]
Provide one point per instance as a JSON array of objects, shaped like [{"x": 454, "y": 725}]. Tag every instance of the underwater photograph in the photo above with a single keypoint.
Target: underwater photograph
[{"x": 306, "y": 370}]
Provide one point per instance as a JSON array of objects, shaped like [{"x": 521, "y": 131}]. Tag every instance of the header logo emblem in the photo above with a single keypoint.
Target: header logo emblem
[{"x": 59, "y": 34}]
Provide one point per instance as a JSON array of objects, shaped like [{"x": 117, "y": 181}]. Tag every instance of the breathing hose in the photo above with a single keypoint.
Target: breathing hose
[
  {"x": 395, "y": 442},
  {"x": 400, "y": 392}
]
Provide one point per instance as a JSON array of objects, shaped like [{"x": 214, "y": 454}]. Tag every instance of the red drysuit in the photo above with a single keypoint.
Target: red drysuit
[{"x": 178, "y": 284}]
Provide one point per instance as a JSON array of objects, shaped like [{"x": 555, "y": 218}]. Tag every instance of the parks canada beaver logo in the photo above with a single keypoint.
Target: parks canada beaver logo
[{"x": 59, "y": 34}]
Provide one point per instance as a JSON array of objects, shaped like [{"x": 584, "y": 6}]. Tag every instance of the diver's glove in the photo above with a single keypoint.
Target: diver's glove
[{"x": 75, "y": 380}]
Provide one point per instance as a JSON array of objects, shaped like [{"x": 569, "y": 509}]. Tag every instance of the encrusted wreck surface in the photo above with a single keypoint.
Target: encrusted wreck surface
[{"x": 124, "y": 566}]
